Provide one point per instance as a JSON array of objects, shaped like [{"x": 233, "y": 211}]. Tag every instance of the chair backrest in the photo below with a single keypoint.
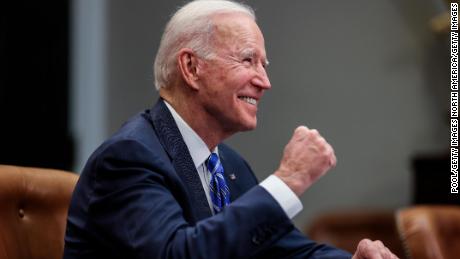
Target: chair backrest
[
  {"x": 430, "y": 232},
  {"x": 344, "y": 229},
  {"x": 33, "y": 211}
]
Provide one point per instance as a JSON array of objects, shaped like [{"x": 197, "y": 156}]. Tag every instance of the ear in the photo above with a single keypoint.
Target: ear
[{"x": 187, "y": 62}]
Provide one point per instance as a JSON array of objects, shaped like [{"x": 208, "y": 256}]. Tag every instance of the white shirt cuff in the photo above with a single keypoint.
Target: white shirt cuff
[{"x": 285, "y": 197}]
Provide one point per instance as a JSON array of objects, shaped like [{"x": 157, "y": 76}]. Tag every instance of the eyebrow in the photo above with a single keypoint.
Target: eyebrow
[{"x": 248, "y": 53}]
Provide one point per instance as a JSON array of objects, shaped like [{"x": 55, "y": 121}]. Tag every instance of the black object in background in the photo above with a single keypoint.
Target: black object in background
[
  {"x": 34, "y": 84},
  {"x": 432, "y": 180}
]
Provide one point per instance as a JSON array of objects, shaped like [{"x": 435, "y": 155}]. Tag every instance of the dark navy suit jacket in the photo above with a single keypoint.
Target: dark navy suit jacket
[{"x": 139, "y": 196}]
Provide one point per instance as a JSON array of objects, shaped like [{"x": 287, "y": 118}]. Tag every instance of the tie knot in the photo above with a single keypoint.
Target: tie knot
[{"x": 213, "y": 163}]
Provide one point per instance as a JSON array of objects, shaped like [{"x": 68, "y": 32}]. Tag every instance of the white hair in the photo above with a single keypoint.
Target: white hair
[{"x": 190, "y": 27}]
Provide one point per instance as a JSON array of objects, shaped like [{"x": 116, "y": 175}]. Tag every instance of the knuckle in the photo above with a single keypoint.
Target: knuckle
[
  {"x": 301, "y": 128},
  {"x": 379, "y": 243},
  {"x": 301, "y": 131},
  {"x": 314, "y": 132},
  {"x": 365, "y": 242},
  {"x": 332, "y": 150},
  {"x": 325, "y": 152},
  {"x": 321, "y": 140},
  {"x": 330, "y": 154}
]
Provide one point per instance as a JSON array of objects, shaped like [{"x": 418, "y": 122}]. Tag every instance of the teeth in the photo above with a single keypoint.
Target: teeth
[{"x": 248, "y": 100}]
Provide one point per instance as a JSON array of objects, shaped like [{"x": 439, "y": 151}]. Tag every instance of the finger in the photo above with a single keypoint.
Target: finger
[
  {"x": 379, "y": 244},
  {"x": 300, "y": 133},
  {"x": 332, "y": 158},
  {"x": 387, "y": 252},
  {"x": 392, "y": 256},
  {"x": 375, "y": 248},
  {"x": 384, "y": 251},
  {"x": 380, "y": 247},
  {"x": 322, "y": 144},
  {"x": 315, "y": 132},
  {"x": 301, "y": 128},
  {"x": 368, "y": 249}
]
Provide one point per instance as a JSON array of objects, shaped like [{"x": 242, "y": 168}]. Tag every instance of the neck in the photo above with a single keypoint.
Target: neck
[{"x": 203, "y": 123}]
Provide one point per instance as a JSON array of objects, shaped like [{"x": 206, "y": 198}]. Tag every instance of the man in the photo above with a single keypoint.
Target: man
[{"x": 165, "y": 187}]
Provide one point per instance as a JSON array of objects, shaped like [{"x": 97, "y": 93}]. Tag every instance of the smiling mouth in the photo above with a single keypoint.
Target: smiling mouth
[{"x": 249, "y": 100}]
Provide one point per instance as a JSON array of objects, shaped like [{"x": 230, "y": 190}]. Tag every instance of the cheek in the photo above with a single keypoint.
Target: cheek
[
  {"x": 221, "y": 77},
  {"x": 226, "y": 82},
  {"x": 243, "y": 77}
]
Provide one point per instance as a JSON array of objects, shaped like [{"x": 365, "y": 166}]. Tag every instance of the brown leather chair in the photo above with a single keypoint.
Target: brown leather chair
[
  {"x": 33, "y": 211},
  {"x": 344, "y": 229},
  {"x": 430, "y": 232}
]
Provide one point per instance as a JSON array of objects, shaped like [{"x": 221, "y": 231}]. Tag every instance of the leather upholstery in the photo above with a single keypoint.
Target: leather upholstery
[
  {"x": 344, "y": 229},
  {"x": 430, "y": 232},
  {"x": 33, "y": 211}
]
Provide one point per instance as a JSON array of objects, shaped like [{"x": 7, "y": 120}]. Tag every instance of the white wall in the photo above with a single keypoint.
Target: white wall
[{"x": 366, "y": 74}]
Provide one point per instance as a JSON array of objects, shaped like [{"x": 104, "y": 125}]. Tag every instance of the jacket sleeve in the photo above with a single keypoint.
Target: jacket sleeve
[
  {"x": 133, "y": 211},
  {"x": 296, "y": 245}
]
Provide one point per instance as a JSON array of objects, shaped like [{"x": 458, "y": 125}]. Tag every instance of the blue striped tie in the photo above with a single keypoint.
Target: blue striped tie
[{"x": 218, "y": 189}]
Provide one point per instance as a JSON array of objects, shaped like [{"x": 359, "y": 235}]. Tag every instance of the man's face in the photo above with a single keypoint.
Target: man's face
[{"x": 233, "y": 82}]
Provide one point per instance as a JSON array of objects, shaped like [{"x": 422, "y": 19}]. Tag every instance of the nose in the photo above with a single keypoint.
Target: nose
[{"x": 261, "y": 79}]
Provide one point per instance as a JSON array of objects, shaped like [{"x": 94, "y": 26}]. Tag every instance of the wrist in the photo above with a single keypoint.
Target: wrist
[{"x": 295, "y": 184}]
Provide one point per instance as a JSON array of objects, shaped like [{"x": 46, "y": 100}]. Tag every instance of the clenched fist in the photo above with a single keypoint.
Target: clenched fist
[{"x": 306, "y": 158}]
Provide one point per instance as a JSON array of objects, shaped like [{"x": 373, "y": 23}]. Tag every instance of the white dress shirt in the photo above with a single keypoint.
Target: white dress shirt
[{"x": 199, "y": 152}]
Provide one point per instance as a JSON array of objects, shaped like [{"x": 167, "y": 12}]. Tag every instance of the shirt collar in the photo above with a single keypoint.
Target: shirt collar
[{"x": 196, "y": 146}]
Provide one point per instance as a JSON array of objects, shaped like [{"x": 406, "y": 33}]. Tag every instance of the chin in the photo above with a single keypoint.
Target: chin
[{"x": 249, "y": 126}]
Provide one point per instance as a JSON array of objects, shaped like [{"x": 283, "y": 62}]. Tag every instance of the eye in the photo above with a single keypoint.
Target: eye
[{"x": 247, "y": 60}]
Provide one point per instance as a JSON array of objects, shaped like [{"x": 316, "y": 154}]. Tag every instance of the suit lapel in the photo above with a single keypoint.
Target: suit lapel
[
  {"x": 238, "y": 175},
  {"x": 172, "y": 141}
]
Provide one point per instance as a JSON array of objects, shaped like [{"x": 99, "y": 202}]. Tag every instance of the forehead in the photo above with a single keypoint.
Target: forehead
[{"x": 236, "y": 31}]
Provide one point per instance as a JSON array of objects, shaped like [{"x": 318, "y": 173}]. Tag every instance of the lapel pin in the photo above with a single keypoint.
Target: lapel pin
[{"x": 232, "y": 176}]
